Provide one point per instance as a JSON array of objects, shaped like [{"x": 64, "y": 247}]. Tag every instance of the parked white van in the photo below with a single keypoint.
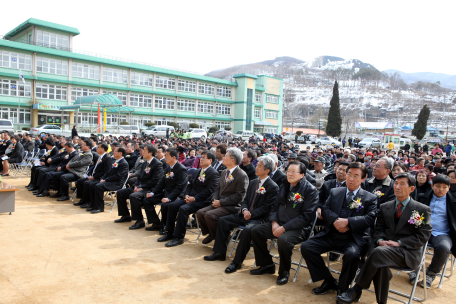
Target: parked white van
[
  {"x": 243, "y": 134},
  {"x": 6, "y": 125},
  {"x": 158, "y": 131}
]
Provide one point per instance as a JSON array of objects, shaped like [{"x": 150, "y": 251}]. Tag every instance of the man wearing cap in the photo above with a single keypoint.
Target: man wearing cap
[
  {"x": 319, "y": 172},
  {"x": 291, "y": 157}
]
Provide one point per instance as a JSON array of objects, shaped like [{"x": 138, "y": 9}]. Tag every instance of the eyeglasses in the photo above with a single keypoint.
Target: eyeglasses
[
  {"x": 350, "y": 176},
  {"x": 203, "y": 158}
]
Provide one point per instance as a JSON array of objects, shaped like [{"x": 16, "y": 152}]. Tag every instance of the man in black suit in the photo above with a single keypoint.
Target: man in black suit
[
  {"x": 443, "y": 221},
  {"x": 381, "y": 181},
  {"x": 130, "y": 157},
  {"x": 348, "y": 213},
  {"x": 261, "y": 195},
  {"x": 246, "y": 164},
  {"x": 161, "y": 152},
  {"x": 134, "y": 173},
  {"x": 44, "y": 163},
  {"x": 219, "y": 155},
  {"x": 399, "y": 242},
  {"x": 170, "y": 187},
  {"x": 198, "y": 194},
  {"x": 277, "y": 175},
  {"x": 325, "y": 190},
  {"x": 151, "y": 172},
  {"x": 292, "y": 214},
  {"x": 112, "y": 180},
  {"x": 44, "y": 181},
  {"x": 102, "y": 165}
]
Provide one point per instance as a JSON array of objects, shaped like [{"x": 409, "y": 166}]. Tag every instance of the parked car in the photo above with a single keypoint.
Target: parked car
[
  {"x": 311, "y": 140},
  {"x": 243, "y": 134},
  {"x": 43, "y": 129},
  {"x": 198, "y": 133},
  {"x": 370, "y": 143},
  {"x": 6, "y": 125},
  {"x": 129, "y": 129},
  {"x": 158, "y": 131},
  {"x": 290, "y": 136},
  {"x": 258, "y": 136},
  {"x": 328, "y": 141}
]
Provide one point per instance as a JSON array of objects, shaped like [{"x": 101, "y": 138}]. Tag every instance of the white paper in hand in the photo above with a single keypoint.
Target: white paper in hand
[
  {"x": 4, "y": 157},
  {"x": 37, "y": 162}
]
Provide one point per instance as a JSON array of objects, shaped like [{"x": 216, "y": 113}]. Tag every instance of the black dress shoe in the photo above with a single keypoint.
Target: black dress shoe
[
  {"x": 63, "y": 198},
  {"x": 154, "y": 227},
  {"x": 28, "y": 186},
  {"x": 215, "y": 256},
  {"x": 123, "y": 219},
  {"x": 263, "y": 269},
  {"x": 37, "y": 191},
  {"x": 45, "y": 193},
  {"x": 40, "y": 195},
  {"x": 162, "y": 231},
  {"x": 233, "y": 267},
  {"x": 137, "y": 225},
  {"x": 325, "y": 287},
  {"x": 56, "y": 195},
  {"x": 89, "y": 209},
  {"x": 33, "y": 189},
  {"x": 283, "y": 279},
  {"x": 174, "y": 242},
  {"x": 81, "y": 202},
  {"x": 85, "y": 206},
  {"x": 96, "y": 211},
  {"x": 349, "y": 296},
  {"x": 207, "y": 240},
  {"x": 166, "y": 237}
]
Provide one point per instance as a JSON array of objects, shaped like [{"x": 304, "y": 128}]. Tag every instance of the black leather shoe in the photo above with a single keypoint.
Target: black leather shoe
[
  {"x": 36, "y": 192},
  {"x": 283, "y": 279},
  {"x": 33, "y": 189},
  {"x": 45, "y": 193},
  {"x": 96, "y": 211},
  {"x": 123, "y": 219},
  {"x": 56, "y": 195},
  {"x": 40, "y": 195},
  {"x": 28, "y": 185},
  {"x": 207, "y": 240},
  {"x": 154, "y": 227},
  {"x": 263, "y": 269},
  {"x": 174, "y": 242},
  {"x": 63, "y": 198},
  {"x": 232, "y": 268},
  {"x": 137, "y": 225},
  {"x": 166, "y": 237},
  {"x": 80, "y": 203},
  {"x": 85, "y": 206},
  {"x": 162, "y": 231},
  {"x": 215, "y": 256},
  {"x": 349, "y": 296},
  {"x": 89, "y": 209},
  {"x": 325, "y": 287}
]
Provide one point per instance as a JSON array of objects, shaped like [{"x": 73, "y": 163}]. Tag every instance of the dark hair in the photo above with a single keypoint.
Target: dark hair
[
  {"x": 209, "y": 155},
  {"x": 344, "y": 163},
  {"x": 180, "y": 149},
  {"x": 116, "y": 144},
  {"x": 162, "y": 148},
  {"x": 222, "y": 148},
  {"x": 251, "y": 155},
  {"x": 402, "y": 165},
  {"x": 16, "y": 137},
  {"x": 430, "y": 167},
  {"x": 422, "y": 171},
  {"x": 49, "y": 141},
  {"x": 410, "y": 178},
  {"x": 104, "y": 146},
  {"x": 357, "y": 165},
  {"x": 302, "y": 167},
  {"x": 441, "y": 179},
  {"x": 121, "y": 150},
  {"x": 451, "y": 171},
  {"x": 173, "y": 152},
  {"x": 69, "y": 144},
  {"x": 88, "y": 143},
  {"x": 151, "y": 149},
  {"x": 304, "y": 160}
]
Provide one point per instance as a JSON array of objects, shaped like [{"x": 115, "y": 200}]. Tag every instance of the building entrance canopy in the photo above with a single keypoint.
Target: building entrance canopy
[{"x": 109, "y": 101}]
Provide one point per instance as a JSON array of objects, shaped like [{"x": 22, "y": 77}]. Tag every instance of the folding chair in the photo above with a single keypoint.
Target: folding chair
[
  {"x": 298, "y": 265},
  {"x": 20, "y": 167},
  {"x": 197, "y": 226},
  {"x": 442, "y": 275},
  {"x": 111, "y": 194},
  {"x": 411, "y": 296},
  {"x": 73, "y": 195}
]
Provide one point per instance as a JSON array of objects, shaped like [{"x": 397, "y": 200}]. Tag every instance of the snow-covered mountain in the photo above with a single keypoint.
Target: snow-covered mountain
[{"x": 447, "y": 81}]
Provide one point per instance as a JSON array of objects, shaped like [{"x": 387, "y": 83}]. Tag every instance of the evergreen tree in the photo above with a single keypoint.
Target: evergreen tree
[
  {"x": 334, "y": 126},
  {"x": 420, "y": 127}
]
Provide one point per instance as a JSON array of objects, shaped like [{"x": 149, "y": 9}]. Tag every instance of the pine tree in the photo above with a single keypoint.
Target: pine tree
[
  {"x": 420, "y": 127},
  {"x": 334, "y": 126}
]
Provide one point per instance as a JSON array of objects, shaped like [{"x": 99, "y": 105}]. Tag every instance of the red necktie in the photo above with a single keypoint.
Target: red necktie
[
  {"x": 254, "y": 197},
  {"x": 399, "y": 210}
]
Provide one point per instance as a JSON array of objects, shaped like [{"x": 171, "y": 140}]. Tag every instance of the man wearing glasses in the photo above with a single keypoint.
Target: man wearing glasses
[
  {"x": 292, "y": 212},
  {"x": 348, "y": 213}
]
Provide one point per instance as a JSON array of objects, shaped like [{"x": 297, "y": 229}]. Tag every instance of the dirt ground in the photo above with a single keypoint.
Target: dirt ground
[{"x": 54, "y": 252}]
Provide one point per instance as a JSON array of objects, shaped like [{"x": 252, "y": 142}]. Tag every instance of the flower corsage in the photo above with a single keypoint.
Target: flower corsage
[
  {"x": 416, "y": 219},
  {"x": 297, "y": 198},
  {"x": 261, "y": 191},
  {"x": 230, "y": 179},
  {"x": 147, "y": 170},
  {"x": 356, "y": 204},
  {"x": 378, "y": 194},
  {"x": 67, "y": 156},
  {"x": 115, "y": 165},
  {"x": 169, "y": 175},
  {"x": 202, "y": 178}
]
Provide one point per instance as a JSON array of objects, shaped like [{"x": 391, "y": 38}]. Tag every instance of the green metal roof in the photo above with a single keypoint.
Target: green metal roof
[
  {"x": 41, "y": 23},
  {"x": 123, "y": 109},
  {"x": 245, "y": 75},
  {"x": 105, "y": 100}
]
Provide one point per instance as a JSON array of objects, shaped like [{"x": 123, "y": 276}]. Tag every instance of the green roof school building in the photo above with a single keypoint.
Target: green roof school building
[{"x": 56, "y": 75}]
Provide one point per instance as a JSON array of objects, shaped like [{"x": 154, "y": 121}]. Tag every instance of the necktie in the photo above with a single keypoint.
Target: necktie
[
  {"x": 398, "y": 210},
  {"x": 254, "y": 197},
  {"x": 227, "y": 173},
  {"x": 349, "y": 197},
  {"x": 338, "y": 184}
]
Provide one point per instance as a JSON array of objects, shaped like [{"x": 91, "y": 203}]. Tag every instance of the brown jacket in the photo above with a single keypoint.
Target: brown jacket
[{"x": 231, "y": 193}]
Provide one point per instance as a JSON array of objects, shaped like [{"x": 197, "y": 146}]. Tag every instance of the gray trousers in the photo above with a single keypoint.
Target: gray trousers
[{"x": 442, "y": 248}]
